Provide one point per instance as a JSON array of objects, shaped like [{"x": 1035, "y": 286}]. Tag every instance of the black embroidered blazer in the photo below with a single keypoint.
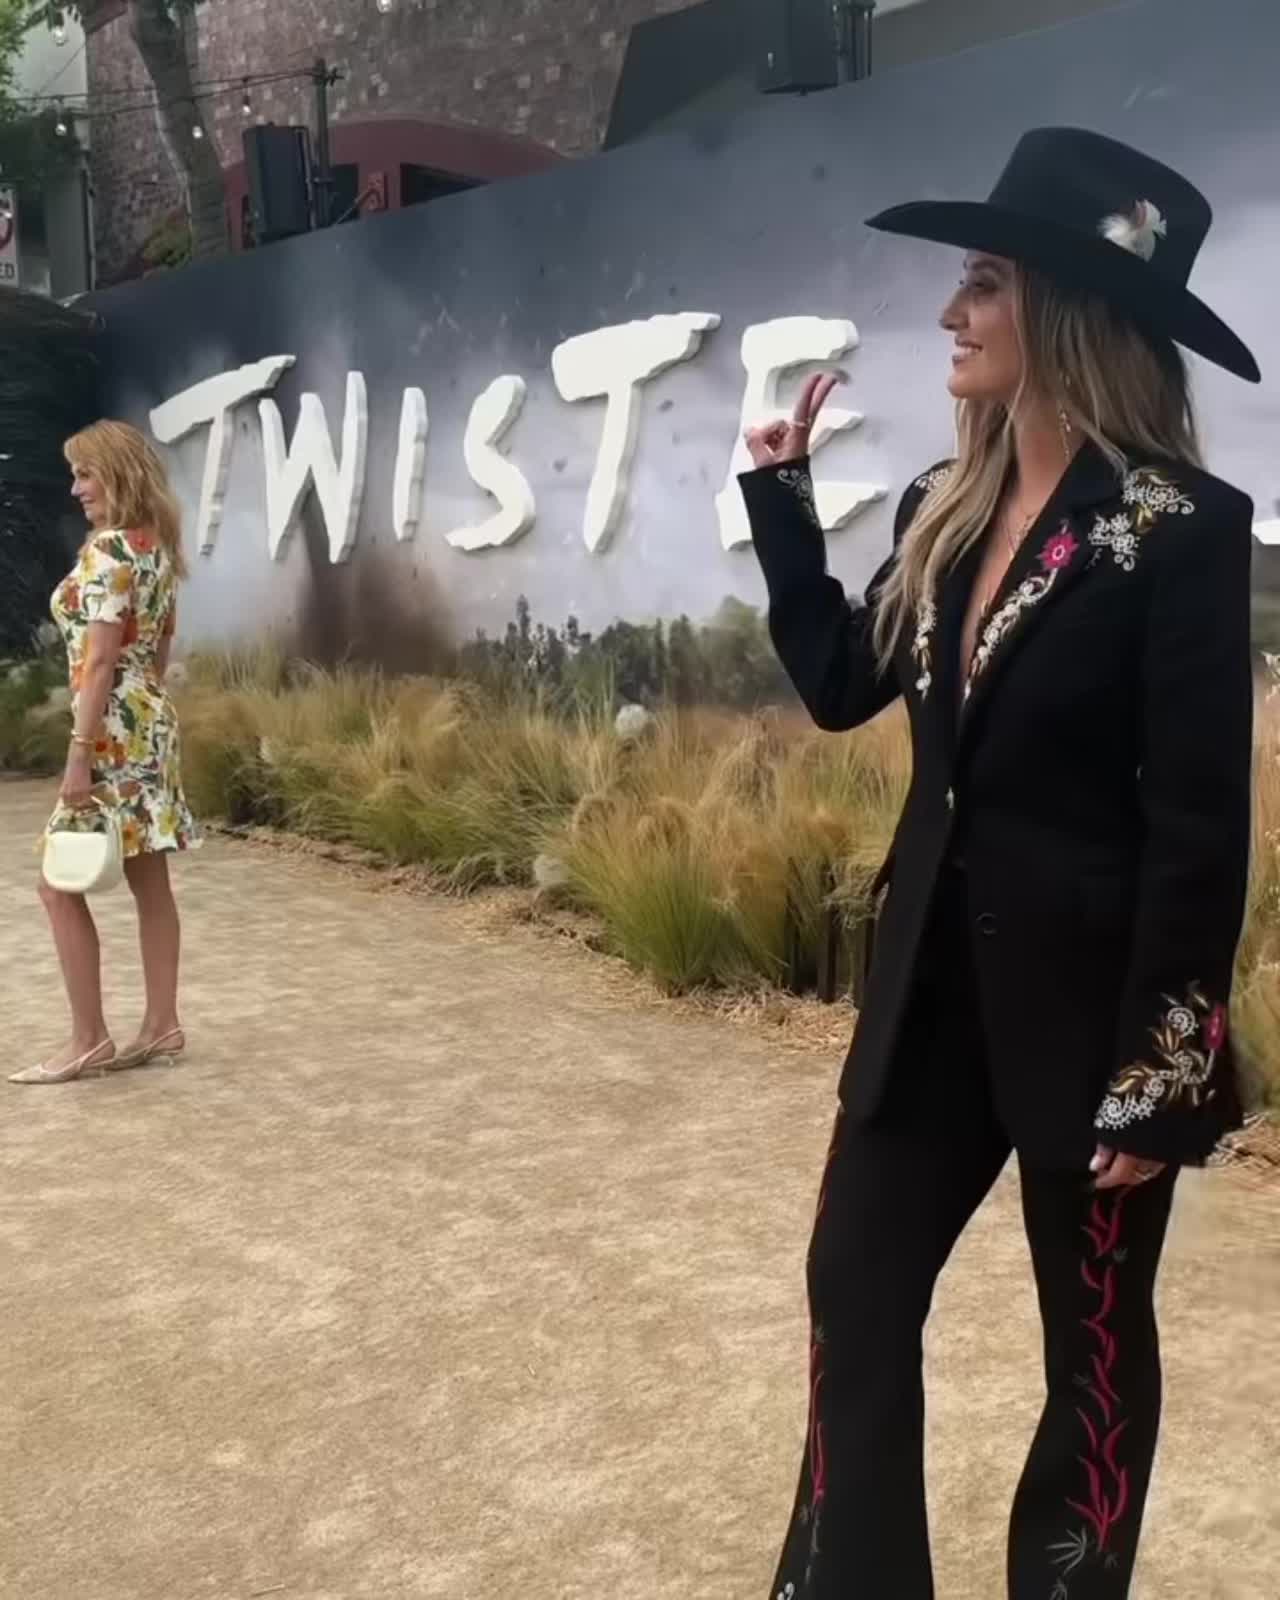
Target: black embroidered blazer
[{"x": 1094, "y": 772}]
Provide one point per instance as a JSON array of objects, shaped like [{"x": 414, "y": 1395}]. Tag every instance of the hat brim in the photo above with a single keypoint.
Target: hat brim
[{"x": 1092, "y": 264}]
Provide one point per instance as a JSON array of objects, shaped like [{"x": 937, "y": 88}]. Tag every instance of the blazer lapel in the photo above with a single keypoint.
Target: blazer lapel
[
  {"x": 953, "y": 605},
  {"x": 1051, "y": 559}
]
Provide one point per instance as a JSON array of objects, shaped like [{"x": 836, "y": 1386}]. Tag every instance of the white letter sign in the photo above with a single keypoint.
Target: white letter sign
[
  {"x": 209, "y": 402},
  {"x": 614, "y": 363},
  {"x": 411, "y": 464},
  {"x": 769, "y": 349},
  {"x": 491, "y": 416},
  {"x": 309, "y": 459}
]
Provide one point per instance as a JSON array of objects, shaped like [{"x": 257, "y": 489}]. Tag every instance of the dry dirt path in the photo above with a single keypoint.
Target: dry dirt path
[{"x": 445, "y": 1268}]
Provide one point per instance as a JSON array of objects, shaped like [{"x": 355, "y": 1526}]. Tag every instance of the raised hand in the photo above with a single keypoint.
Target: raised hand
[{"x": 772, "y": 443}]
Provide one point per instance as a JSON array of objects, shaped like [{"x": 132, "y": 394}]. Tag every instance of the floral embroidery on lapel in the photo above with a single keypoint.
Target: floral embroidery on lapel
[
  {"x": 1187, "y": 1039},
  {"x": 798, "y": 480},
  {"x": 1155, "y": 497},
  {"x": 1055, "y": 557},
  {"x": 922, "y": 645},
  {"x": 1148, "y": 495},
  {"x": 1059, "y": 549},
  {"x": 1116, "y": 534}
]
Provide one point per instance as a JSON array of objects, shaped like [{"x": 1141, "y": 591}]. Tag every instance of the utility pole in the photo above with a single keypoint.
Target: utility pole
[
  {"x": 854, "y": 20},
  {"x": 322, "y": 178}
]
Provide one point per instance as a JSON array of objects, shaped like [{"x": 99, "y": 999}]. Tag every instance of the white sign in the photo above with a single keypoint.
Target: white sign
[
  {"x": 613, "y": 364},
  {"x": 8, "y": 238}
]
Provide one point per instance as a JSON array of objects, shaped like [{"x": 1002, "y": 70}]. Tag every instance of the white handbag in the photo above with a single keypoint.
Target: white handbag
[{"x": 84, "y": 863}]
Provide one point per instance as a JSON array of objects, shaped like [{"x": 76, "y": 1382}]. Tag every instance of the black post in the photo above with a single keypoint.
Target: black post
[
  {"x": 854, "y": 22},
  {"x": 864, "y": 12},
  {"x": 322, "y": 179},
  {"x": 842, "y": 21}
]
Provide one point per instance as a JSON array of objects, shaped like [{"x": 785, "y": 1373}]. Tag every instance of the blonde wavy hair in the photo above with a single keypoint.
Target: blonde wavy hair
[
  {"x": 1124, "y": 389},
  {"x": 133, "y": 480}
]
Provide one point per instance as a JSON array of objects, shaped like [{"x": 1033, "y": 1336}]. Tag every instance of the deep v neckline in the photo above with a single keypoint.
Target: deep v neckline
[
  {"x": 977, "y": 613},
  {"x": 973, "y": 623},
  {"x": 1050, "y": 559}
]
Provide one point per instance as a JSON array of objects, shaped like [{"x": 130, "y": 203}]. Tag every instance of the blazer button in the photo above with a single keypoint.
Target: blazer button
[{"x": 987, "y": 925}]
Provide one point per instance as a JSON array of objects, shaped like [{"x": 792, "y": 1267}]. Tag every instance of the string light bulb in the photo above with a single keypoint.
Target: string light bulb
[
  {"x": 386, "y": 5},
  {"x": 59, "y": 32},
  {"x": 197, "y": 132},
  {"x": 246, "y": 105},
  {"x": 60, "y": 126}
]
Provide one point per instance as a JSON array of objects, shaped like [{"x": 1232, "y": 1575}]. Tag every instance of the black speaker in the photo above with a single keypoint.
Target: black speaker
[
  {"x": 797, "y": 46},
  {"x": 276, "y": 165}
]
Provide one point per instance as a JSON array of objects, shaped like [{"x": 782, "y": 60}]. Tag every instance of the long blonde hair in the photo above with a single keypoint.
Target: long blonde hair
[
  {"x": 1115, "y": 384},
  {"x": 133, "y": 480}
]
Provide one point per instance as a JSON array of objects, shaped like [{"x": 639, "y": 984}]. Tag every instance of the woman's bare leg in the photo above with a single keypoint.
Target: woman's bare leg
[
  {"x": 160, "y": 936},
  {"x": 76, "y": 940}
]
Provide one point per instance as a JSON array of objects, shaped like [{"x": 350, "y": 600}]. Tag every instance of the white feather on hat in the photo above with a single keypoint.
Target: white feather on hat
[{"x": 1139, "y": 232}]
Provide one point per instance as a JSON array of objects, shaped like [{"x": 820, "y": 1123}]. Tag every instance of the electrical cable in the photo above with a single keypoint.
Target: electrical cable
[{"x": 203, "y": 90}]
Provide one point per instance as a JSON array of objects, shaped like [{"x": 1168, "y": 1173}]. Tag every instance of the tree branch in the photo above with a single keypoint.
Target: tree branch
[{"x": 158, "y": 32}]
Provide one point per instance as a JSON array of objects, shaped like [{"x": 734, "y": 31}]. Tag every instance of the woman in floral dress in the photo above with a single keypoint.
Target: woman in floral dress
[{"x": 116, "y": 613}]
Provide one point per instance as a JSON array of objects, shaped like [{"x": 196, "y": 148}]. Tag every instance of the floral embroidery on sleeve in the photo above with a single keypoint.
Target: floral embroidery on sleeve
[
  {"x": 1148, "y": 495},
  {"x": 1188, "y": 1039},
  {"x": 799, "y": 481},
  {"x": 927, "y": 482},
  {"x": 922, "y": 645},
  {"x": 927, "y": 616}
]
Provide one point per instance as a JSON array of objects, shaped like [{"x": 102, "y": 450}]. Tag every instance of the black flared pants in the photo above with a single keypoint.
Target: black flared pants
[{"x": 895, "y": 1197}]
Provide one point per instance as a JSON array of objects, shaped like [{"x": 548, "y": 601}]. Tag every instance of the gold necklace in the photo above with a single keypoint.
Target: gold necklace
[{"x": 1015, "y": 542}]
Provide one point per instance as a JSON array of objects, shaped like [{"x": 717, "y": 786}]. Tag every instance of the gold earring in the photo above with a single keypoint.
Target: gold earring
[{"x": 1065, "y": 429}]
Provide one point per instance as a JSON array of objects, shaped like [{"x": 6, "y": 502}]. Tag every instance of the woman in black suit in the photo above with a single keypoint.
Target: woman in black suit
[{"x": 1066, "y": 614}]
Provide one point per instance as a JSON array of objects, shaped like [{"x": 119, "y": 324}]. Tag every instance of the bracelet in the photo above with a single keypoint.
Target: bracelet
[{"x": 79, "y": 738}]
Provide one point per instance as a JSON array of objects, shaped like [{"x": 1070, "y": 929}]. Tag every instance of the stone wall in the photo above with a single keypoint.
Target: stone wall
[{"x": 544, "y": 70}]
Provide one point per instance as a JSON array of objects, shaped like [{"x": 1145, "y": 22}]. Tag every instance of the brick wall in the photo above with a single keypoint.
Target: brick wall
[{"x": 541, "y": 69}]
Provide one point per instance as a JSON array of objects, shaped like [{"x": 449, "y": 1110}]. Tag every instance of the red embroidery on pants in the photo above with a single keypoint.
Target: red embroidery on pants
[
  {"x": 817, "y": 1434},
  {"x": 817, "y": 1449},
  {"x": 1101, "y": 1411}
]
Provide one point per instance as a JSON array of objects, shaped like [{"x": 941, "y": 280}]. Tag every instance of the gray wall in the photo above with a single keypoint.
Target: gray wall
[{"x": 757, "y": 217}]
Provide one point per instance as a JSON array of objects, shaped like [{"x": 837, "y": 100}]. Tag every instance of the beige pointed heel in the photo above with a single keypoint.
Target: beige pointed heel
[
  {"x": 168, "y": 1047},
  {"x": 91, "y": 1064}
]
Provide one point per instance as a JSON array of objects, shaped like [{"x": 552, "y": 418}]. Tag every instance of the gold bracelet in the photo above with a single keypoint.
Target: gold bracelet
[{"x": 79, "y": 738}]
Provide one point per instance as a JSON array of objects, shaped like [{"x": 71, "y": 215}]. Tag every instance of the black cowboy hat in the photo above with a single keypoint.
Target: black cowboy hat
[{"x": 1099, "y": 216}]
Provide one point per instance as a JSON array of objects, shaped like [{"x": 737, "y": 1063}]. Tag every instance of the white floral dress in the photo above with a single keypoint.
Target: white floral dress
[{"x": 127, "y": 577}]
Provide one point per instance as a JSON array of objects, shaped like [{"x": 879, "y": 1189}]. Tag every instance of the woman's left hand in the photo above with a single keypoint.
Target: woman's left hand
[
  {"x": 1114, "y": 1169},
  {"x": 77, "y": 780}
]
